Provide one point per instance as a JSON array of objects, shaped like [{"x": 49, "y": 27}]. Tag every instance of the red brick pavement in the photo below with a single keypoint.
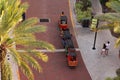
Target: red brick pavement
[{"x": 56, "y": 68}]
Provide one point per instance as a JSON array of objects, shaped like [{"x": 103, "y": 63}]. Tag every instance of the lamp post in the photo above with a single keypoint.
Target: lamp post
[{"x": 95, "y": 35}]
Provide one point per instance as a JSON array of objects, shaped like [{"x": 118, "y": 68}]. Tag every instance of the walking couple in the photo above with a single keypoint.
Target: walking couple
[{"x": 105, "y": 48}]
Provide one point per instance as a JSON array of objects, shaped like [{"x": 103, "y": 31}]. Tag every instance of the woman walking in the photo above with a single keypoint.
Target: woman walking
[
  {"x": 103, "y": 50},
  {"x": 107, "y": 47}
]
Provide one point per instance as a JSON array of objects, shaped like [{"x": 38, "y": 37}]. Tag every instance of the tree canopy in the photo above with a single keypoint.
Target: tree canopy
[{"x": 15, "y": 32}]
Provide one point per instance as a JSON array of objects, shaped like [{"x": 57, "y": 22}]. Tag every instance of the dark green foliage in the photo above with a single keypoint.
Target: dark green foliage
[
  {"x": 81, "y": 12},
  {"x": 118, "y": 72},
  {"x": 117, "y": 77}
]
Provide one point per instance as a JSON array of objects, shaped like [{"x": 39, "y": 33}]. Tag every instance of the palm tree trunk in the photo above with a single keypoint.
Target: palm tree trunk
[
  {"x": 2, "y": 70},
  {"x": 2, "y": 60}
]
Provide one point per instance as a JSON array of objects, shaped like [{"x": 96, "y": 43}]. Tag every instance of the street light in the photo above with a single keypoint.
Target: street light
[{"x": 95, "y": 23}]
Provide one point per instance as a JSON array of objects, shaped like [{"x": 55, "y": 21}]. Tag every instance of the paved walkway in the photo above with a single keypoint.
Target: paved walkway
[{"x": 98, "y": 66}]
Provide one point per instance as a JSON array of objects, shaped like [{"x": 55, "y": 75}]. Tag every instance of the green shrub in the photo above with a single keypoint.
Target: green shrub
[
  {"x": 108, "y": 78},
  {"x": 82, "y": 14},
  {"x": 78, "y": 5},
  {"x": 117, "y": 77},
  {"x": 118, "y": 72}
]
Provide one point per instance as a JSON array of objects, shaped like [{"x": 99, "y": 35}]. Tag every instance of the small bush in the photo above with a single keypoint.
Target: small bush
[
  {"x": 118, "y": 72},
  {"x": 108, "y": 78},
  {"x": 82, "y": 14},
  {"x": 117, "y": 77}
]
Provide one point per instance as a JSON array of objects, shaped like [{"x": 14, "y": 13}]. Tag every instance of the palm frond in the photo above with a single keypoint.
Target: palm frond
[
  {"x": 9, "y": 42},
  {"x": 116, "y": 27},
  {"x": 30, "y": 44},
  {"x": 30, "y": 60},
  {"x": 24, "y": 6},
  {"x": 25, "y": 35},
  {"x": 109, "y": 17},
  {"x": 11, "y": 15},
  {"x": 115, "y": 5},
  {"x": 42, "y": 56},
  {"x": 33, "y": 29},
  {"x": 25, "y": 24},
  {"x": 38, "y": 54},
  {"x": 4, "y": 38},
  {"x": 105, "y": 26},
  {"x": 16, "y": 56},
  {"x": 41, "y": 44},
  {"x": 36, "y": 28},
  {"x": 102, "y": 28},
  {"x": 6, "y": 71},
  {"x": 117, "y": 43},
  {"x": 26, "y": 70},
  {"x": 24, "y": 40},
  {"x": 1, "y": 7}
]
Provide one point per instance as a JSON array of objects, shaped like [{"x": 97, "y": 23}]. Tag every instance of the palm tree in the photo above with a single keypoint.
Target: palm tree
[
  {"x": 14, "y": 32},
  {"x": 112, "y": 20}
]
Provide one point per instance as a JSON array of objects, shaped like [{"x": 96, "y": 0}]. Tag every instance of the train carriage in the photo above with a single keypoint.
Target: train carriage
[{"x": 72, "y": 58}]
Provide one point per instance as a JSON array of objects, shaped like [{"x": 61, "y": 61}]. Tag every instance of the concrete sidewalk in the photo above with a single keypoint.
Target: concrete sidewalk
[{"x": 98, "y": 66}]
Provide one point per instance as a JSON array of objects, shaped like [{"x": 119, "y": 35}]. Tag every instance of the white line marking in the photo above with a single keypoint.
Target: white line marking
[{"x": 57, "y": 50}]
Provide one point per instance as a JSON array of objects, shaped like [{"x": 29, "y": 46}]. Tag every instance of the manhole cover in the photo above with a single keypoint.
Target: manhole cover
[{"x": 44, "y": 20}]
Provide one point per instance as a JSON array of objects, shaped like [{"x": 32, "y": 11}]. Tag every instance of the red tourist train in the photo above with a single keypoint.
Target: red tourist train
[{"x": 66, "y": 38}]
